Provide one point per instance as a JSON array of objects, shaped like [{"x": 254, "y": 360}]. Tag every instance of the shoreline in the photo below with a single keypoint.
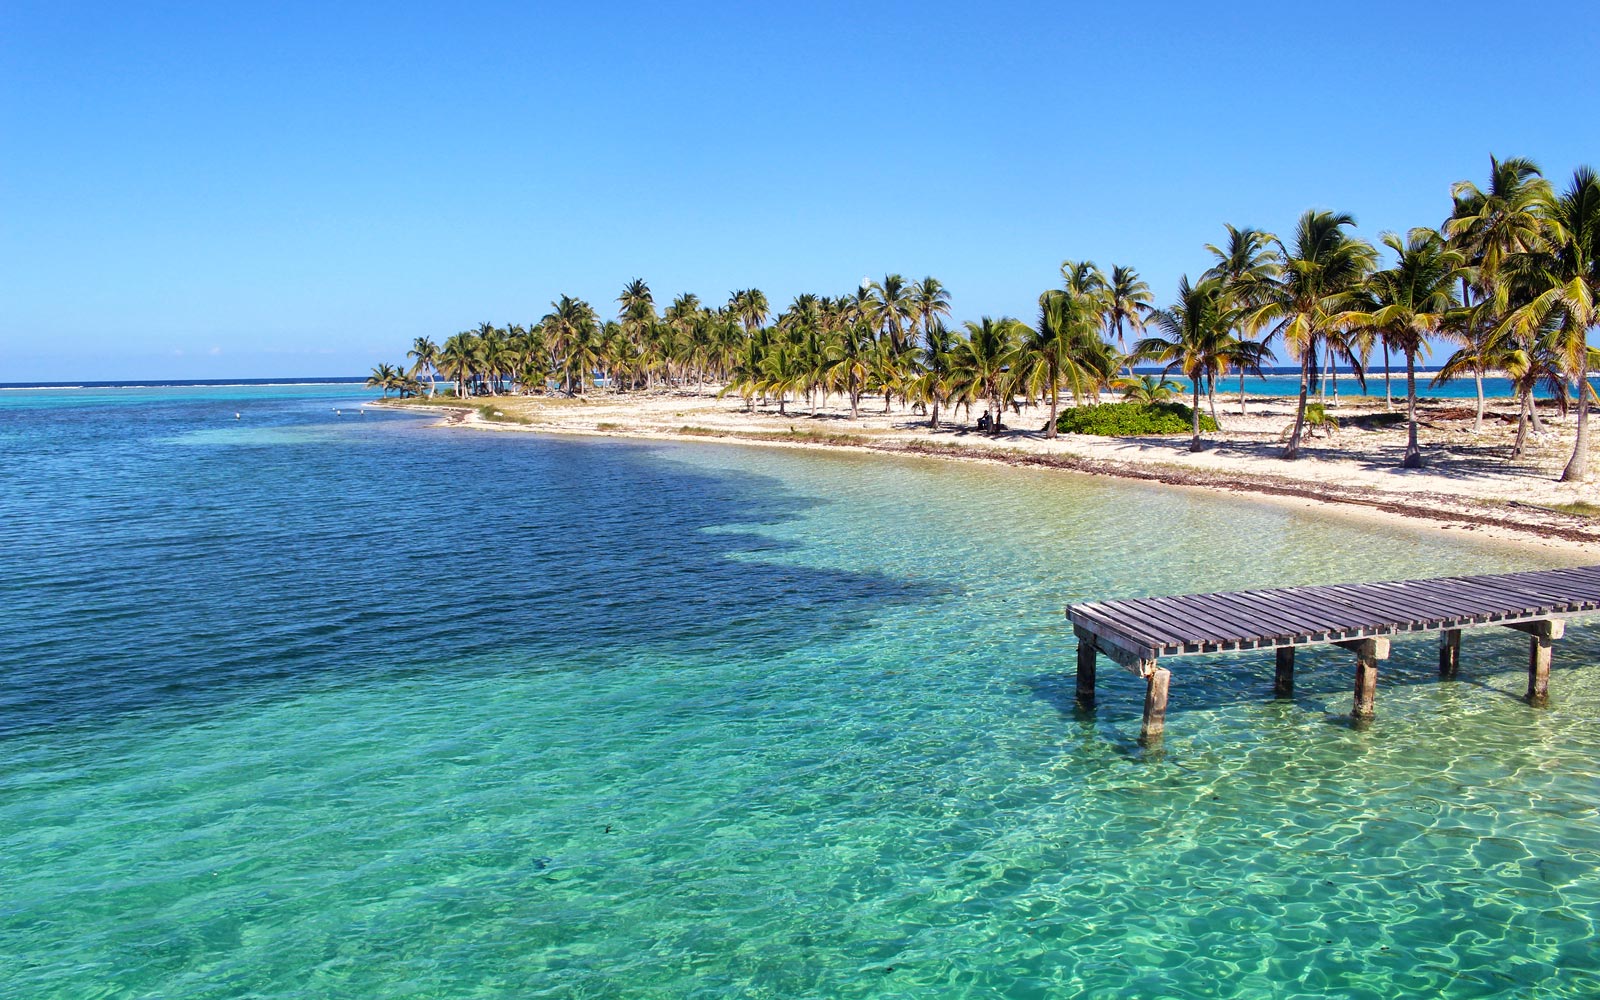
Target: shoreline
[{"x": 1504, "y": 520}]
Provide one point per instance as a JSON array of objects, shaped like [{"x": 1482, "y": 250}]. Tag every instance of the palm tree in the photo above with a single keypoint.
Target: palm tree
[
  {"x": 424, "y": 354},
  {"x": 1319, "y": 280},
  {"x": 1411, "y": 301},
  {"x": 982, "y": 362},
  {"x": 382, "y": 377},
  {"x": 1243, "y": 261},
  {"x": 750, "y": 307},
  {"x": 1564, "y": 276},
  {"x": 891, "y": 303},
  {"x": 1147, "y": 389},
  {"x": 1487, "y": 227},
  {"x": 1197, "y": 337},
  {"x": 458, "y": 361},
  {"x": 570, "y": 326},
  {"x": 780, "y": 375},
  {"x": 933, "y": 377},
  {"x": 929, "y": 301},
  {"x": 1127, "y": 299},
  {"x": 1064, "y": 348}
]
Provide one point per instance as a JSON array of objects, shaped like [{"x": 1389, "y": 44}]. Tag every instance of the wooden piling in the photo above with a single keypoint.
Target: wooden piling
[
  {"x": 1368, "y": 653},
  {"x": 1155, "y": 703},
  {"x": 1283, "y": 676},
  {"x": 1449, "y": 653},
  {"x": 1541, "y": 639},
  {"x": 1086, "y": 665}
]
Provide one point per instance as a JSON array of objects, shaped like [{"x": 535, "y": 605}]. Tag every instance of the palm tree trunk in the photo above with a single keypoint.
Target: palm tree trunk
[
  {"x": 1523, "y": 399},
  {"x": 1388, "y": 396},
  {"x": 1293, "y": 449},
  {"x": 1241, "y": 390},
  {"x": 1477, "y": 423},
  {"x": 1194, "y": 413},
  {"x": 1577, "y": 469},
  {"x": 1055, "y": 398},
  {"x": 934, "y": 420},
  {"x": 1413, "y": 459},
  {"x": 1533, "y": 413}
]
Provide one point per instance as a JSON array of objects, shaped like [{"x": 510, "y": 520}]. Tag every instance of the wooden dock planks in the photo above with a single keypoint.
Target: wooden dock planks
[
  {"x": 1138, "y": 632},
  {"x": 1255, "y": 619}
]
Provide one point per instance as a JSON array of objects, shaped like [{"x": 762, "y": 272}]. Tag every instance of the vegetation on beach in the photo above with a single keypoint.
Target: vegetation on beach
[
  {"x": 1129, "y": 419},
  {"x": 1510, "y": 278}
]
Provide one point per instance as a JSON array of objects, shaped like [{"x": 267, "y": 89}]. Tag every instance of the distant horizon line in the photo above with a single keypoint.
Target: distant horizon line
[{"x": 172, "y": 383}]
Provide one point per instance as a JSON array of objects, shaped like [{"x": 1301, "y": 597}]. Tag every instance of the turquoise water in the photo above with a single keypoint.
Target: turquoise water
[{"x": 310, "y": 704}]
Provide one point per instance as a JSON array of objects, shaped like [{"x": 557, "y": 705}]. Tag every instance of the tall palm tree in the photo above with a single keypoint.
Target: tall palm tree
[
  {"x": 1487, "y": 227},
  {"x": 1196, "y": 337},
  {"x": 1063, "y": 348},
  {"x": 1127, "y": 300},
  {"x": 1564, "y": 276},
  {"x": 929, "y": 301},
  {"x": 891, "y": 306},
  {"x": 934, "y": 369},
  {"x": 1410, "y": 303},
  {"x": 571, "y": 328},
  {"x": 1243, "y": 261},
  {"x": 423, "y": 354},
  {"x": 458, "y": 361},
  {"x": 750, "y": 306},
  {"x": 1319, "y": 282}
]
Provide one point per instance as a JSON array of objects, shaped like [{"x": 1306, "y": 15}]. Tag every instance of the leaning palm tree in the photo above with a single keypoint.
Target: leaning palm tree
[
  {"x": 382, "y": 377},
  {"x": 1564, "y": 277},
  {"x": 1243, "y": 261},
  {"x": 1195, "y": 339},
  {"x": 1410, "y": 303},
  {"x": 424, "y": 354},
  {"x": 1319, "y": 280}
]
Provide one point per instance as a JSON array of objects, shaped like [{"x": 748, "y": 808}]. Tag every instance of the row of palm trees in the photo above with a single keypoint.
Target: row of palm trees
[{"x": 1509, "y": 279}]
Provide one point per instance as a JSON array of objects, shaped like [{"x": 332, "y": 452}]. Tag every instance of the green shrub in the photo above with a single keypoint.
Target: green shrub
[{"x": 1121, "y": 419}]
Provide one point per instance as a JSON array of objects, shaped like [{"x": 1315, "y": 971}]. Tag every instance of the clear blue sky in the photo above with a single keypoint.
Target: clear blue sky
[{"x": 205, "y": 190}]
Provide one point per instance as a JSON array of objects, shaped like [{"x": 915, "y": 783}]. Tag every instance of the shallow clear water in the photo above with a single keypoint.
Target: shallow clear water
[{"x": 336, "y": 705}]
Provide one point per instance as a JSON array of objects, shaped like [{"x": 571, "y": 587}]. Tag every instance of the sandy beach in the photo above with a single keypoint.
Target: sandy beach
[{"x": 1469, "y": 483}]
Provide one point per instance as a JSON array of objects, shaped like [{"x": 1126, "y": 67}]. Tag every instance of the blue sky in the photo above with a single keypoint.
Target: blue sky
[{"x": 205, "y": 190}]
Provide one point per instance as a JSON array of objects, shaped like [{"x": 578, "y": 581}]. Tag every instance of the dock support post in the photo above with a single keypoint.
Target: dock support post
[
  {"x": 1449, "y": 653},
  {"x": 1155, "y": 703},
  {"x": 1542, "y": 634},
  {"x": 1086, "y": 664},
  {"x": 1368, "y": 653},
  {"x": 1283, "y": 676}
]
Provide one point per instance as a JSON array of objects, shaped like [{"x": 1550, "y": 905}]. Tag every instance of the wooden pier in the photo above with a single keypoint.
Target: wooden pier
[{"x": 1138, "y": 633}]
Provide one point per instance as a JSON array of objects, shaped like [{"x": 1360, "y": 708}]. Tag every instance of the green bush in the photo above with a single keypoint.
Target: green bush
[{"x": 1119, "y": 419}]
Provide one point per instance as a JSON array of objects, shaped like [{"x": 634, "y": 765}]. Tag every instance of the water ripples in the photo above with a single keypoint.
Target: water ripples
[{"x": 315, "y": 708}]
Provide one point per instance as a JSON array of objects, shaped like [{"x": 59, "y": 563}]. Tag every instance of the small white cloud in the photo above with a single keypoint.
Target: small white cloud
[
  {"x": 178, "y": 352},
  {"x": 215, "y": 350}
]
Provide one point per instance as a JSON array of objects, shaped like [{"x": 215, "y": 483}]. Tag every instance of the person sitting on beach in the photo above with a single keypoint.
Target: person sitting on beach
[{"x": 984, "y": 421}]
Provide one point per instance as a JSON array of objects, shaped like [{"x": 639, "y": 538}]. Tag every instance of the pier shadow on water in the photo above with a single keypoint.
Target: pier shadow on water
[{"x": 182, "y": 575}]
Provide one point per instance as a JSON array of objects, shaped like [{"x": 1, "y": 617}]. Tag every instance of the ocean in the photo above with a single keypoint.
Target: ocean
[{"x": 322, "y": 703}]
